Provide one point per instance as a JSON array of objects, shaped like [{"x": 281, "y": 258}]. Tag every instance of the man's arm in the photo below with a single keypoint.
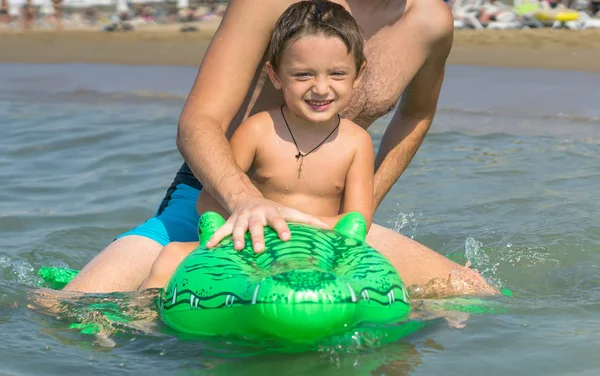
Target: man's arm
[
  {"x": 223, "y": 80},
  {"x": 243, "y": 147},
  {"x": 218, "y": 91},
  {"x": 414, "y": 115}
]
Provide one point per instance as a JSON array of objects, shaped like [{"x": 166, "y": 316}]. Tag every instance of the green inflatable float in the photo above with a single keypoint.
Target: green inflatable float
[
  {"x": 322, "y": 287},
  {"x": 318, "y": 284}
]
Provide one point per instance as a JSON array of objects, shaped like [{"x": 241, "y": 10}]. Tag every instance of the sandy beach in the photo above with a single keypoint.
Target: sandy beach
[{"x": 166, "y": 45}]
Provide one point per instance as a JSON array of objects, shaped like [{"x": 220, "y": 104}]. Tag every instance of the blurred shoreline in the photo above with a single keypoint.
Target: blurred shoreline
[{"x": 167, "y": 45}]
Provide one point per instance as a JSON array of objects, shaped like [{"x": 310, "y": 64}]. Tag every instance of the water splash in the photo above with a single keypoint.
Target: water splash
[
  {"x": 480, "y": 261},
  {"x": 407, "y": 220},
  {"x": 17, "y": 271}
]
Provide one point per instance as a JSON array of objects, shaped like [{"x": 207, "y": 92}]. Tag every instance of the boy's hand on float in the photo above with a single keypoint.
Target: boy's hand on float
[{"x": 253, "y": 215}]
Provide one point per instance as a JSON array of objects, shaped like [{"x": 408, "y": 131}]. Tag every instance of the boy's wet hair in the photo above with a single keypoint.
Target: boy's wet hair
[{"x": 316, "y": 17}]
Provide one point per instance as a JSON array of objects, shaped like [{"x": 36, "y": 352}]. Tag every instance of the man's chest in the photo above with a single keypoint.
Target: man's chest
[{"x": 394, "y": 57}]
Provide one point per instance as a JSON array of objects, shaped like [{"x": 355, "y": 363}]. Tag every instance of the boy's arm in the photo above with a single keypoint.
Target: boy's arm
[
  {"x": 244, "y": 141},
  {"x": 358, "y": 191}
]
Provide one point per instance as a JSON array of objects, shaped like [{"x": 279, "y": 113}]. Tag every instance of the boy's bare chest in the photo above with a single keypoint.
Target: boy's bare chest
[{"x": 320, "y": 174}]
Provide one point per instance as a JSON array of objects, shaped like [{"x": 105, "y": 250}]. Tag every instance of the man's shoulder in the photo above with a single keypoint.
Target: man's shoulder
[{"x": 433, "y": 18}]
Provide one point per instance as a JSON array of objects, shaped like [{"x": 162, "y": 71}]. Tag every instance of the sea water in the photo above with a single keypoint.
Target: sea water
[{"x": 507, "y": 179}]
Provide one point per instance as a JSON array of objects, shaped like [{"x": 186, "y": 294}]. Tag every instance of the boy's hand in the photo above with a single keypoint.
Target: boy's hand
[{"x": 253, "y": 215}]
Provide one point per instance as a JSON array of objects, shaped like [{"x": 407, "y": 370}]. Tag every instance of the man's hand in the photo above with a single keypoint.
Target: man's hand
[{"x": 253, "y": 215}]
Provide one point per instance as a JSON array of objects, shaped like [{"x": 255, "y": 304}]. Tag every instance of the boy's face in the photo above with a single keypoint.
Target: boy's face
[{"x": 317, "y": 75}]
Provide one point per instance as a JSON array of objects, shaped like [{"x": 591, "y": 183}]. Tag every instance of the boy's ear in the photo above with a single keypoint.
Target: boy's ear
[
  {"x": 359, "y": 75},
  {"x": 273, "y": 76}
]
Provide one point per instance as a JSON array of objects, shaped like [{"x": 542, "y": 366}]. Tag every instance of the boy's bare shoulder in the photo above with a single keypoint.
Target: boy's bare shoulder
[
  {"x": 258, "y": 123},
  {"x": 261, "y": 117},
  {"x": 353, "y": 130}
]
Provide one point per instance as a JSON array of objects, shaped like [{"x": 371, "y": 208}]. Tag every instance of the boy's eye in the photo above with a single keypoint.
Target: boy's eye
[
  {"x": 302, "y": 75},
  {"x": 338, "y": 74}
]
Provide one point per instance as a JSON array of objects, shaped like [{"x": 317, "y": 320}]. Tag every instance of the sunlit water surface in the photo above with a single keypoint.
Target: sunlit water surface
[{"x": 507, "y": 178}]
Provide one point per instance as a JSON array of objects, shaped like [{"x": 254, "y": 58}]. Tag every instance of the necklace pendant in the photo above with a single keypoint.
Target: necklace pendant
[
  {"x": 299, "y": 155},
  {"x": 300, "y": 168}
]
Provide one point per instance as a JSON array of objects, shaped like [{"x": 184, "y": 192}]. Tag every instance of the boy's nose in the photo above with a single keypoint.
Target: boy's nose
[{"x": 320, "y": 87}]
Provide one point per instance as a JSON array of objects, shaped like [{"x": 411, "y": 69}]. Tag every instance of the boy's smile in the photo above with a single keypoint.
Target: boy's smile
[{"x": 319, "y": 105}]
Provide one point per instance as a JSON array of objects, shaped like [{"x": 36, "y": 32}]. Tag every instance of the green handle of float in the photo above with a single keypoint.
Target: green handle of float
[
  {"x": 208, "y": 224},
  {"x": 352, "y": 225}
]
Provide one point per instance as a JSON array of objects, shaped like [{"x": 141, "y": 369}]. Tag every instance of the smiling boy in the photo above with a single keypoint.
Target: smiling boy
[{"x": 302, "y": 154}]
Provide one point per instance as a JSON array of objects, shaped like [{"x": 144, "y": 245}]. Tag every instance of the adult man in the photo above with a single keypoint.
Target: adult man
[{"x": 407, "y": 43}]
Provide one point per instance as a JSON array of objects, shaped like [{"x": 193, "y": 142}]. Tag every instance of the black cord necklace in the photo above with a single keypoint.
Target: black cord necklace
[{"x": 300, "y": 154}]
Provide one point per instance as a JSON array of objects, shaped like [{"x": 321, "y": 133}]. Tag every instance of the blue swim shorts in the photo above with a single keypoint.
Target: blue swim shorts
[{"x": 176, "y": 219}]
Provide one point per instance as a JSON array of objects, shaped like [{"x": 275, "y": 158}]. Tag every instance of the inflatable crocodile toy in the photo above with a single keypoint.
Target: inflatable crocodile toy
[{"x": 320, "y": 283}]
